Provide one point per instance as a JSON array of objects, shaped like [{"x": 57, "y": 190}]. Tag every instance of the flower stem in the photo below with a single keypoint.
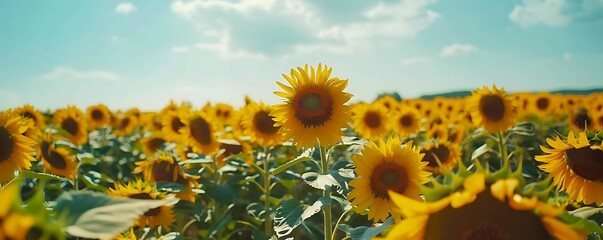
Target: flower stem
[
  {"x": 328, "y": 229},
  {"x": 503, "y": 149},
  {"x": 339, "y": 221},
  {"x": 267, "y": 212}
]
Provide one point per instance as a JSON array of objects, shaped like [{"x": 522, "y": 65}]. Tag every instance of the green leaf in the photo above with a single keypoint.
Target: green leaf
[
  {"x": 586, "y": 212},
  {"x": 292, "y": 213},
  {"x": 586, "y": 225},
  {"x": 524, "y": 129},
  {"x": 221, "y": 224},
  {"x": 224, "y": 194},
  {"x": 164, "y": 186},
  {"x": 87, "y": 158},
  {"x": 305, "y": 156},
  {"x": 480, "y": 151},
  {"x": 94, "y": 215},
  {"x": 320, "y": 181},
  {"x": 171, "y": 236},
  {"x": 367, "y": 233},
  {"x": 41, "y": 176},
  {"x": 257, "y": 211}
]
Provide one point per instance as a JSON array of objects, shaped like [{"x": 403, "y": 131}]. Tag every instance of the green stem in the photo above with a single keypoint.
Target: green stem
[
  {"x": 267, "y": 212},
  {"x": 339, "y": 221},
  {"x": 328, "y": 229},
  {"x": 503, "y": 149}
]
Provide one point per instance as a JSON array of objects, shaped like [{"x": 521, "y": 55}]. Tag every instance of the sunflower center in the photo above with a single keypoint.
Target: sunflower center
[
  {"x": 163, "y": 171},
  {"x": 70, "y": 125},
  {"x": 485, "y": 218},
  {"x": 388, "y": 176},
  {"x": 542, "y": 103},
  {"x": 125, "y": 122},
  {"x": 145, "y": 196},
  {"x": 492, "y": 107},
  {"x": 586, "y": 162},
  {"x": 437, "y": 153},
  {"x": 264, "y": 123},
  {"x": 372, "y": 119},
  {"x": 6, "y": 144},
  {"x": 313, "y": 107},
  {"x": 231, "y": 149},
  {"x": 581, "y": 118},
  {"x": 97, "y": 114},
  {"x": 155, "y": 144},
  {"x": 56, "y": 160},
  {"x": 176, "y": 124},
  {"x": 200, "y": 130},
  {"x": 406, "y": 120}
]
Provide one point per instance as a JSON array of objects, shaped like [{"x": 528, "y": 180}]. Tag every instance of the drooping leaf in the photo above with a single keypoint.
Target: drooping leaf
[
  {"x": 367, "y": 233},
  {"x": 292, "y": 213},
  {"x": 320, "y": 181}
]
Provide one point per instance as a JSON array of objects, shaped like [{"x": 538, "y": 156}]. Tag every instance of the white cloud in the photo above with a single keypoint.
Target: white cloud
[
  {"x": 458, "y": 49},
  {"x": 125, "y": 8},
  {"x": 533, "y": 12},
  {"x": 67, "y": 73},
  {"x": 268, "y": 28},
  {"x": 181, "y": 49},
  {"x": 114, "y": 38},
  {"x": 415, "y": 61},
  {"x": 567, "y": 57}
]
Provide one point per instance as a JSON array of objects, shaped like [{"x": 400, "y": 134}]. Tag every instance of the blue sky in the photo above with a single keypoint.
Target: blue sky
[{"x": 144, "y": 53}]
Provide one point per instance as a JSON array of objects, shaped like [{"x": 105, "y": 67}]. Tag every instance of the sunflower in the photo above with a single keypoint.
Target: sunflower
[
  {"x": 160, "y": 216},
  {"x": 13, "y": 223},
  {"x": 162, "y": 167},
  {"x": 199, "y": 131},
  {"x": 71, "y": 119},
  {"x": 371, "y": 121},
  {"x": 152, "y": 121},
  {"x": 406, "y": 121},
  {"x": 492, "y": 109},
  {"x": 480, "y": 212},
  {"x": 58, "y": 161},
  {"x": 598, "y": 120},
  {"x": 441, "y": 154},
  {"x": 457, "y": 133},
  {"x": 98, "y": 116},
  {"x": 223, "y": 112},
  {"x": 172, "y": 123},
  {"x": 229, "y": 147},
  {"x": 152, "y": 143},
  {"x": 389, "y": 102},
  {"x": 126, "y": 124},
  {"x": 15, "y": 148},
  {"x": 580, "y": 119},
  {"x": 237, "y": 128},
  {"x": 576, "y": 166},
  {"x": 28, "y": 111},
  {"x": 259, "y": 125},
  {"x": 521, "y": 102},
  {"x": 543, "y": 104},
  {"x": 439, "y": 131},
  {"x": 382, "y": 167},
  {"x": 315, "y": 109}
]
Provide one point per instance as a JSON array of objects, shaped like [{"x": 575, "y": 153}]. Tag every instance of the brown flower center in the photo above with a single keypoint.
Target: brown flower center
[
  {"x": 97, "y": 114},
  {"x": 145, "y": 196},
  {"x": 388, "y": 176},
  {"x": 176, "y": 124},
  {"x": 372, "y": 119},
  {"x": 200, "y": 130},
  {"x": 313, "y": 107},
  {"x": 581, "y": 118},
  {"x": 586, "y": 162},
  {"x": 70, "y": 125},
  {"x": 55, "y": 159},
  {"x": 406, "y": 120},
  {"x": 6, "y": 144},
  {"x": 125, "y": 122},
  {"x": 231, "y": 149},
  {"x": 492, "y": 107},
  {"x": 164, "y": 171},
  {"x": 434, "y": 154},
  {"x": 485, "y": 218},
  {"x": 542, "y": 103},
  {"x": 264, "y": 123},
  {"x": 155, "y": 144}
]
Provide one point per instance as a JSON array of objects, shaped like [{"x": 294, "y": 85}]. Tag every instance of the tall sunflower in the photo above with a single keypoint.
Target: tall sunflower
[
  {"x": 98, "y": 116},
  {"x": 28, "y": 111},
  {"x": 172, "y": 124},
  {"x": 441, "y": 154},
  {"x": 406, "y": 121},
  {"x": 58, "y": 161},
  {"x": 153, "y": 143},
  {"x": 71, "y": 119},
  {"x": 259, "y": 125},
  {"x": 199, "y": 131},
  {"x": 163, "y": 167},
  {"x": 160, "y": 216},
  {"x": 314, "y": 108},
  {"x": 492, "y": 109},
  {"x": 371, "y": 121},
  {"x": 382, "y": 167},
  {"x": 480, "y": 212},
  {"x": 15, "y": 148},
  {"x": 576, "y": 165}
]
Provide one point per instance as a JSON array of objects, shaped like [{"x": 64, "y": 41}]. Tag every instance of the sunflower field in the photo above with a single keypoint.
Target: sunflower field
[{"x": 493, "y": 165}]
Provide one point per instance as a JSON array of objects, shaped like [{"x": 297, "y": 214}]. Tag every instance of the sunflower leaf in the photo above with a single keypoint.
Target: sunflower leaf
[
  {"x": 292, "y": 213},
  {"x": 586, "y": 212},
  {"x": 320, "y": 181},
  {"x": 256, "y": 210},
  {"x": 586, "y": 225},
  {"x": 365, "y": 233},
  {"x": 305, "y": 156},
  {"x": 480, "y": 151},
  {"x": 40, "y": 176}
]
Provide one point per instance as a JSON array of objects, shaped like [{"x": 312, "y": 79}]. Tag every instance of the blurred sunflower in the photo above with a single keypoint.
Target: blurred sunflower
[
  {"x": 371, "y": 121},
  {"x": 543, "y": 104},
  {"x": 382, "y": 167},
  {"x": 521, "y": 102},
  {"x": 237, "y": 128},
  {"x": 576, "y": 166},
  {"x": 259, "y": 125},
  {"x": 441, "y": 154},
  {"x": 314, "y": 110},
  {"x": 389, "y": 102},
  {"x": 13, "y": 224},
  {"x": 126, "y": 124},
  {"x": 130, "y": 235},
  {"x": 492, "y": 109},
  {"x": 406, "y": 121},
  {"x": 58, "y": 161},
  {"x": 223, "y": 112},
  {"x": 229, "y": 147},
  {"x": 199, "y": 131},
  {"x": 162, "y": 167},
  {"x": 480, "y": 212},
  {"x": 457, "y": 133},
  {"x": 15, "y": 148},
  {"x": 580, "y": 119},
  {"x": 438, "y": 131},
  {"x": 71, "y": 119},
  {"x": 28, "y": 111},
  {"x": 152, "y": 121},
  {"x": 98, "y": 116},
  {"x": 153, "y": 143},
  {"x": 160, "y": 216},
  {"x": 172, "y": 124}
]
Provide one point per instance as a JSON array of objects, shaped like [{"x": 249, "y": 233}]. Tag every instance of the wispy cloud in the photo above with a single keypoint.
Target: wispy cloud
[
  {"x": 67, "y": 73},
  {"x": 125, "y": 8},
  {"x": 415, "y": 61},
  {"x": 555, "y": 13},
  {"x": 458, "y": 49}
]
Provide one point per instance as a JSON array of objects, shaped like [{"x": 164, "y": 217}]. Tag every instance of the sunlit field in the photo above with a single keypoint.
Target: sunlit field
[{"x": 316, "y": 165}]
